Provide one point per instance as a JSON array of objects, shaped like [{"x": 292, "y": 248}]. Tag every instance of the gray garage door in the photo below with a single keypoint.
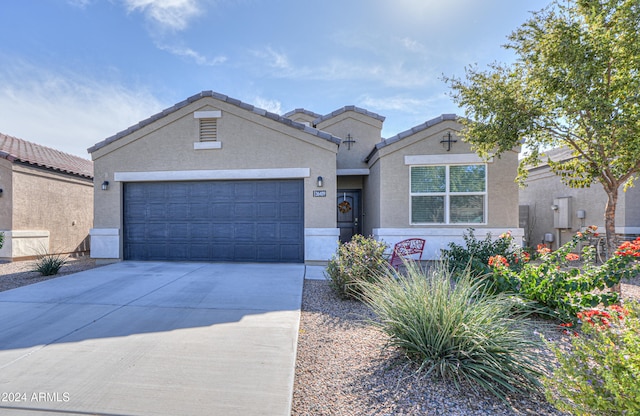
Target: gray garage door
[{"x": 253, "y": 221}]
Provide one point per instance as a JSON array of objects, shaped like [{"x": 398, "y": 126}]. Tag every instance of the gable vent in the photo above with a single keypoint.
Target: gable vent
[{"x": 208, "y": 129}]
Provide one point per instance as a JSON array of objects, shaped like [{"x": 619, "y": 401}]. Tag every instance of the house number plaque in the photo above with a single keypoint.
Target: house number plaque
[{"x": 321, "y": 194}]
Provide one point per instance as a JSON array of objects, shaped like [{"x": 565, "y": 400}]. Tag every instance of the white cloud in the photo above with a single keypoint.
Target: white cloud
[
  {"x": 68, "y": 112},
  {"x": 273, "y": 58},
  {"x": 273, "y": 106},
  {"x": 403, "y": 104},
  {"x": 79, "y": 3},
  {"x": 187, "y": 52},
  {"x": 169, "y": 14},
  {"x": 413, "y": 45}
]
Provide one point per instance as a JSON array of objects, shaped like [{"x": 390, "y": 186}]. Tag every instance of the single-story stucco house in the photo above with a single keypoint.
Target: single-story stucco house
[
  {"x": 550, "y": 208},
  {"x": 46, "y": 200},
  {"x": 216, "y": 179}
]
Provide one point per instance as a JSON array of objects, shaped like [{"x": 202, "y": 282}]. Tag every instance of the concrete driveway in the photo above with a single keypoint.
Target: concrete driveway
[{"x": 152, "y": 338}]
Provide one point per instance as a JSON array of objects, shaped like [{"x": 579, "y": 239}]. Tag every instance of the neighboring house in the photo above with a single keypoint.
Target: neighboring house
[
  {"x": 46, "y": 200},
  {"x": 550, "y": 208},
  {"x": 213, "y": 178}
]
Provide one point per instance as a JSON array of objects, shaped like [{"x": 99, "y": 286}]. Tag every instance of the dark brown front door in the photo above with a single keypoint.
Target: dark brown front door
[{"x": 349, "y": 215}]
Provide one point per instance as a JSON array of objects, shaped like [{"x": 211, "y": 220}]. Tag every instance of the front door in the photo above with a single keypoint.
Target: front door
[{"x": 349, "y": 215}]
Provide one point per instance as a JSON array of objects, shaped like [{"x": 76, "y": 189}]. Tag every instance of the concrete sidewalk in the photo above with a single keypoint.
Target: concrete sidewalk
[{"x": 151, "y": 338}]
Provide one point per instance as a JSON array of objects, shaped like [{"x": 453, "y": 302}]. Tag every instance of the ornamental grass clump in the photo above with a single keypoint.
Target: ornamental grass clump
[
  {"x": 49, "y": 264},
  {"x": 599, "y": 373},
  {"x": 457, "y": 331},
  {"x": 357, "y": 261}
]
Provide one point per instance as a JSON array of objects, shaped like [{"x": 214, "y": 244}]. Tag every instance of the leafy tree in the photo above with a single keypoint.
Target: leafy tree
[{"x": 575, "y": 82}]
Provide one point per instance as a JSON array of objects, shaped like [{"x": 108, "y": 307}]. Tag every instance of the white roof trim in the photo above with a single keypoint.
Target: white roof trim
[
  {"x": 456, "y": 158},
  {"x": 207, "y": 114},
  {"x": 203, "y": 175},
  {"x": 351, "y": 172}
]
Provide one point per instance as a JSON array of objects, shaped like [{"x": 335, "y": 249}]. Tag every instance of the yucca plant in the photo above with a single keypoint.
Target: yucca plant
[
  {"x": 457, "y": 331},
  {"x": 49, "y": 264}
]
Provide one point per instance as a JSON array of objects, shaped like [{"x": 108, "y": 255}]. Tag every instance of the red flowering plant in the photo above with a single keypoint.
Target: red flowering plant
[
  {"x": 563, "y": 291},
  {"x": 599, "y": 373},
  {"x": 629, "y": 248}
]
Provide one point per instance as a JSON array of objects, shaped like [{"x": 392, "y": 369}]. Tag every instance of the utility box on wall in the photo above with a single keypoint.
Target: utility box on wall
[{"x": 562, "y": 212}]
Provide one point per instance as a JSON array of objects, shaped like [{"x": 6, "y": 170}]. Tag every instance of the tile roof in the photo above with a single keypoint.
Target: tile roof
[
  {"x": 14, "y": 149},
  {"x": 221, "y": 97},
  {"x": 416, "y": 129},
  {"x": 344, "y": 110},
  {"x": 558, "y": 154},
  {"x": 411, "y": 131},
  {"x": 303, "y": 111}
]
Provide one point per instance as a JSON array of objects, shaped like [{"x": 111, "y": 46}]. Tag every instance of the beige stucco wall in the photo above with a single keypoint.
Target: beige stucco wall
[
  {"x": 543, "y": 186},
  {"x": 363, "y": 129},
  {"x": 371, "y": 197},
  {"x": 6, "y": 184},
  {"x": 249, "y": 141},
  {"x": 55, "y": 202},
  {"x": 502, "y": 191}
]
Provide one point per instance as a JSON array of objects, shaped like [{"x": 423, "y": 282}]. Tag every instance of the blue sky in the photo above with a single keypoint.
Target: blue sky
[{"x": 73, "y": 72}]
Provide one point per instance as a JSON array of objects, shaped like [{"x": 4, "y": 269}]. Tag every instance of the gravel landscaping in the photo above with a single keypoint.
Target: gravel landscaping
[
  {"x": 342, "y": 366},
  {"x": 20, "y": 273}
]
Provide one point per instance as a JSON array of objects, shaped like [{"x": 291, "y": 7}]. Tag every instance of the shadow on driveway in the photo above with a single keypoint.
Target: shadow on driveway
[{"x": 142, "y": 338}]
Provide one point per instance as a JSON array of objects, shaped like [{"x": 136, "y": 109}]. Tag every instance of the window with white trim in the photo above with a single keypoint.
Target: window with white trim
[{"x": 448, "y": 194}]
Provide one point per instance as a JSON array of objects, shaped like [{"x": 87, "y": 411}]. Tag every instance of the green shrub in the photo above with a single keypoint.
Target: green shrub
[
  {"x": 1, "y": 239},
  {"x": 600, "y": 373},
  {"x": 355, "y": 262},
  {"x": 474, "y": 255},
  {"x": 49, "y": 264},
  {"x": 561, "y": 290},
  {"x": 457, "y": 331}
]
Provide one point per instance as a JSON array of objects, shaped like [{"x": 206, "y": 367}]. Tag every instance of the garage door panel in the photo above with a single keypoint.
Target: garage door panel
[
  {"x": 245, "y": 232},
  {"x": 135, "y": 232},
  {"x": 221, "y": 211},
  {"x": 268, "y": 232},
  {"x": 265, "y": 252},
  {"x": 244, "y": 191},
  {"x": 156, "y": 251},
  {"x": 176, "y": 210},
  {"x": 157, "y": 212},
  {"x": 290, "y": 210},
  {"x": 222, "y": 252},
  {"x": 290, "y": 252},
  {"x": 137, "y": 210},
  {"x": 244, "y": 252},
  {"x": 198, "y": 253},
  {"x": 179, "y": 231},
  {"x": 260, "y": 220},
  {"x": 199, "y": 231},
  {"x": 198, "y": 211},
  {"x": 157, "y": 231},
  {"x": 245, "y": 210},
  {"x": 155, "y": 192},
  {"x": 288, "y": 232},
  {"x": 268, "y": 210},
  {"x": 267, "y": 190},
  {"x": 222, "y": 231}
]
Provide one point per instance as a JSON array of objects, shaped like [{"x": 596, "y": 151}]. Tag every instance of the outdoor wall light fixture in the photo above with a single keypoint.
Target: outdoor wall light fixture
[
  {"x": 555, "y": 207},
  {"x": 105, "y": 185},
  {"x": 320, "y": 182}
]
